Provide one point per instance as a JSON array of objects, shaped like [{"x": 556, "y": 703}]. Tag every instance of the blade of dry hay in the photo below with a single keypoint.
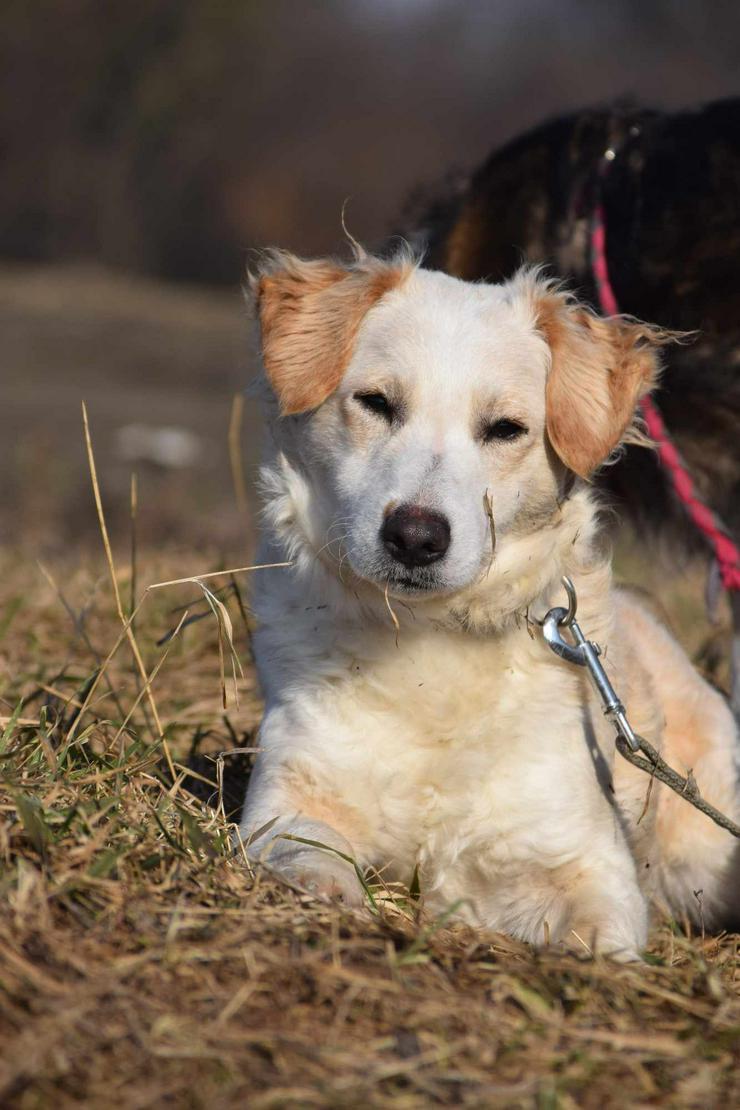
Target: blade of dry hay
[
  {"x": 130, "y": 636},
  {"x": 394, "y": 618},
  {"x": 224, "y": 627},
  {"x": 150, "y": 680},
  {"x": 78, "y": 622},
  {"x": 225, "y": 630},
  {"x": 220, "y": 773},
  {"x": 134, "y": 510},
  {"x": 235, "y": 459},
  {"x": 101, "y": 671},
  {"x": 488, "y": 510},
  {"x": 215, "y": 574},
  {"x": 85, "y": 705}
]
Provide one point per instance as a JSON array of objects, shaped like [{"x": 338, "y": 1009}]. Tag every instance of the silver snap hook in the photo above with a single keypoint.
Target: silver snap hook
[{"x": 570, "y": 613}]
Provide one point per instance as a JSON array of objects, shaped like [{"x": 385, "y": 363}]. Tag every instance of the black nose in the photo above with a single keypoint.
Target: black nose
[{"x": 414, "y": 536}]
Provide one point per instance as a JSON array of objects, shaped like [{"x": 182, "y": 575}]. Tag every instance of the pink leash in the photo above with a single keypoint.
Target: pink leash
[{"x": 725, "y": 551}]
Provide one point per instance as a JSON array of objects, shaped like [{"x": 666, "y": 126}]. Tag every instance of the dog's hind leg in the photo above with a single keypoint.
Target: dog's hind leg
[
  {"x": 694, "y": 864},
  {"x": 696, "y": 860}
]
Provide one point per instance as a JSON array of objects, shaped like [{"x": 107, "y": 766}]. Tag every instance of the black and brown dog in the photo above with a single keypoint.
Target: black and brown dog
[{"x": 671, "y": 202}]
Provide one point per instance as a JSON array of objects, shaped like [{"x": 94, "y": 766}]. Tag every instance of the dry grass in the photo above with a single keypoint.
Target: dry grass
[{"x": 142, "y": 965}]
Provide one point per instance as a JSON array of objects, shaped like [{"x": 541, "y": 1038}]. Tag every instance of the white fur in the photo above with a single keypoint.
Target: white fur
[{"x": 447, "y": 735}]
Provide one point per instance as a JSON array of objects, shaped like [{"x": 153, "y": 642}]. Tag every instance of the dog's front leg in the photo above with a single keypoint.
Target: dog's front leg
[
  {"x": 603, "y": 910},
  {"x": 564, "y": 876},
  {"x": 297, "y": 822},
  {"x": 308, "y": 853}
]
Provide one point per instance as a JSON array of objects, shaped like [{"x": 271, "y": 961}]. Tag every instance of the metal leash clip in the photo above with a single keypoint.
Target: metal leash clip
[{"x": 585, "y": 653}]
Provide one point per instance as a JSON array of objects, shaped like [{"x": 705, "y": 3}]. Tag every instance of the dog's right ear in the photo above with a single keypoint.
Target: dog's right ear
[
  {"x": 600, "y": 369},
  {"x": 309, "y": 314}
]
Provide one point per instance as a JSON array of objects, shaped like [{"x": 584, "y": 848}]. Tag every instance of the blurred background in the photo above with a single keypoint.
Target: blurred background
[{"x": 148, "y": 146}]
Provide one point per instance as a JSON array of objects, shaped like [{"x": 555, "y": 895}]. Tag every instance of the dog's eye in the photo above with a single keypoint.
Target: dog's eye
[
  {"x": 503, "y": 429},
  {"x": 376, "y": 403}
]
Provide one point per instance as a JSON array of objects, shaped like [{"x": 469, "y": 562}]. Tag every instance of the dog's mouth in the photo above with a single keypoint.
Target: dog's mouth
[
  {"x": 400, "y": 581},
  {"x": 410, "y": 583},
  {"x": 419, "y": 583}
]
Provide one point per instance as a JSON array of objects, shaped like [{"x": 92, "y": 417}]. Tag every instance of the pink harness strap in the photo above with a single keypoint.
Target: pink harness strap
[{"x": 725, "y": 551}]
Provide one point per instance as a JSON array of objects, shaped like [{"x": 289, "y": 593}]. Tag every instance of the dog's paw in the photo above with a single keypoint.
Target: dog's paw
[
  {"x": 328, "y": 878},
  {"x": 587, "y": 940}
]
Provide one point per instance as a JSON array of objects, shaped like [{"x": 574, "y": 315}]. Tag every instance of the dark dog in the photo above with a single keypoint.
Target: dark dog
[{"x": 670, "y": 193}]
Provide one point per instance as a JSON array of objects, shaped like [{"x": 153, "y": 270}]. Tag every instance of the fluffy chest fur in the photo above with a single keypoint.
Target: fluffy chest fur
[{"x": 438, "y": 740}]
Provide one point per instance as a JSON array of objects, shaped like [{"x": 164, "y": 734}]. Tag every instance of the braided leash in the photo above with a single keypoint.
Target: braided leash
[
  {"x": 725, "y": 551},
  {"x": 656, "y": 767}
]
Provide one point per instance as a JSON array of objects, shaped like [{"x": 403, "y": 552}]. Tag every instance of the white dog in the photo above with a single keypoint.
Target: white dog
[{"x": 432, "y": 442}]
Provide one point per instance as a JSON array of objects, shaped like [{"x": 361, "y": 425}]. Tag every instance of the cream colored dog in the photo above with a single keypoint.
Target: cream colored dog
[{"x": 432, "y": 442}]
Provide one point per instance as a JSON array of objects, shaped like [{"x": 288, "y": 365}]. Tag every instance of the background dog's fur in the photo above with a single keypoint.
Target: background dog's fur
[{"x": 672, "y": 209}]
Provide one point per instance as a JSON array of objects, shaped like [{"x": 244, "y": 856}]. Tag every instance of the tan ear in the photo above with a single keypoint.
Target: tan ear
[
  {"x": 600, "y": 369},
  {"x": 309, "y": 316}
]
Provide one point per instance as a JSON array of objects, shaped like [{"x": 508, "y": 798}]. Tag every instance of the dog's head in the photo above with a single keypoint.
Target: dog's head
[{"x": 429, "y": 419}]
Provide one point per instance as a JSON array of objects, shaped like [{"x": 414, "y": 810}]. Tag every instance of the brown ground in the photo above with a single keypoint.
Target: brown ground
[{"x": 142, "y": 964}]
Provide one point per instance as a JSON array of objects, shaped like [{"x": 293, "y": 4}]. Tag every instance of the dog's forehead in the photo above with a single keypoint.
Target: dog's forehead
[{"x": 453, "y": 330}]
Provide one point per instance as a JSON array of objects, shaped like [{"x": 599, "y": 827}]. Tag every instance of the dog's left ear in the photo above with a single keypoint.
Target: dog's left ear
[
  {"x": 310, "y": 313},
  {"x": 600, "y": 369}
]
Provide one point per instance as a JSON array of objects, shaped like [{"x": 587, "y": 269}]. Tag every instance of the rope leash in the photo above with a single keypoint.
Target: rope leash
[
  {"x": 708, "y": 523},
  {"x": 585, "y": 653},
  {"x": 656, "y": 767}
]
